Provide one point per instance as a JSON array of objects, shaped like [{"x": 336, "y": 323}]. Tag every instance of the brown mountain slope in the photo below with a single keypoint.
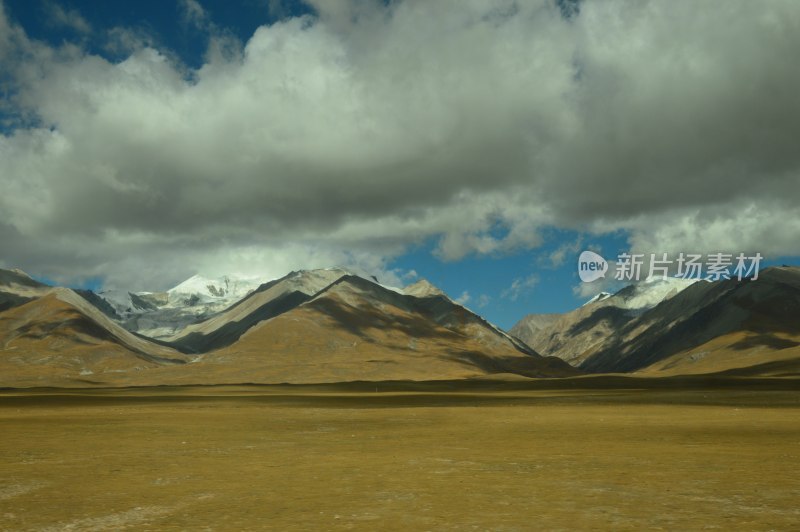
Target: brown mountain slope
[
  {"x": 526, "y": 328},
  {"x": 577, "y": 335},
  {"x": 573, "y": 336},
  {"x": 60, "y": 339},
  {"x": 745, "y": 327},
  {"x": 353, "y": 329},
  {"x": 710, "y": 327},
  {"x": 356, "y": 330},
  {"x": 741, "y": 353},
  {"x": 269, "y": 300}
]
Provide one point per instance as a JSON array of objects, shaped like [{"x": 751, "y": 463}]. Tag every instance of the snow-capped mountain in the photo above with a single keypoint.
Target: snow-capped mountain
[
  {"x": 319, "y": 325},
  {"x": 199, "y": 288},
  {"x": 573, "y": 336},
  {"x": 648, "y": 293},
  {"x": 728, "y": 325},
  {"x": 679, "y": 326},
  {"x": 308, "y": 326},
  {"x": 332, "y": 326},
  {"x": 269, "y": 300},
  {"x": 162, "y": 314}
]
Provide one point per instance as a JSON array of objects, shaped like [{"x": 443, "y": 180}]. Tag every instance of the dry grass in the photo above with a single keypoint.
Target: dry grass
[
  {"x": 742, "y": 351},
  {"x": 305, "y": 458}
]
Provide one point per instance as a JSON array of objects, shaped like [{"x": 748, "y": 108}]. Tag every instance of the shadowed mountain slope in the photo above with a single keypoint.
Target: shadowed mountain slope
[
  {"x": 713, "y": 327},
  {"x": 724, "y": 326},
  {"x": 59, "y": 338},
  {"x": 574, "y": 336},
  {"x": 358, "y": 330}
]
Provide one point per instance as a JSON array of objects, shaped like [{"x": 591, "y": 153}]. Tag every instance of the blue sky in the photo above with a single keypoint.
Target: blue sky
[
  {"x": 480, "y": 147},
  {"x": 164, "y": 21},
  {"x": 543, "y": 286}
]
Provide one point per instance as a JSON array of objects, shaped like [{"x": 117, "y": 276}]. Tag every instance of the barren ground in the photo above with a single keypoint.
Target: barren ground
[{"x": 492, "y": 457}]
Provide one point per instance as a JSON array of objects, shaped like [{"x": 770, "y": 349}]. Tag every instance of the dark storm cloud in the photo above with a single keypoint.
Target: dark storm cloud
[{"x": 369, "y": 127}]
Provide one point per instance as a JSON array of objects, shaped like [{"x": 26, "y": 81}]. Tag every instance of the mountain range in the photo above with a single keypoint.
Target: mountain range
[
  {"x": 331, "y": 325},
  {"x": 307, "y": 327}
]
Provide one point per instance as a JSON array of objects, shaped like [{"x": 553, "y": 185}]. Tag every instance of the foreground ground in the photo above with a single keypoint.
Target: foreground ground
[{"x": 489, "y": 457}]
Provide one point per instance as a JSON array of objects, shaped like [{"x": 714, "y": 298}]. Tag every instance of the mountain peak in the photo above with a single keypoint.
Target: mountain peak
[
  {"x": 649, "y": 293},
  {"x": 226, "y": 286},
  {"x": 19, "y": 278},
  {"x": 312, "y": 281},
  {"x": 21, "y": 273},
  {"x": 422, "y": 288}
]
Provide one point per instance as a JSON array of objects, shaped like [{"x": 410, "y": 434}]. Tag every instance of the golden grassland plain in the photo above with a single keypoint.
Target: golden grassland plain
[{"x": 494, "y": 456}]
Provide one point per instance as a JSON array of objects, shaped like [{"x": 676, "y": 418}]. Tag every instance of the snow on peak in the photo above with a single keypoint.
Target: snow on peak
[
  {"x": 599, "y": 297},
  {"x": 650, "y": 292},
  {"x": 225, "y": 287}
]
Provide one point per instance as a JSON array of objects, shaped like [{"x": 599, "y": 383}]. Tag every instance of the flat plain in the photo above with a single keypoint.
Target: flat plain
[{"x": 616, "y": 454}]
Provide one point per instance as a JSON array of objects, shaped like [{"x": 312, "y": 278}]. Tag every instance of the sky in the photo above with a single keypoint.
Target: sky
[{"x": 479, "y": 144}]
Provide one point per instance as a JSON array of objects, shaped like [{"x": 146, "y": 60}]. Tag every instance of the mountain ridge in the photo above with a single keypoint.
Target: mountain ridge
[
  {"x": 322, "y": 326},
  {"x": 307, "y": 327}
]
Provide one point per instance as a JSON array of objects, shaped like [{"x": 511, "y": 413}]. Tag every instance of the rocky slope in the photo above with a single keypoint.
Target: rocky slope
[
  {"x": 576, "y": 335},
  {"x": 711, "y": 327},
  {"x": 742, "y": 327}
]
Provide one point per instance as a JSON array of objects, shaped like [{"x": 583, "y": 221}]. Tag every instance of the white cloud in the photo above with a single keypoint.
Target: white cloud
[
  {"x": 768, "y": 227},
  {"x": 410, "y": 275},
  {"x": 372, "y": 127},
  {"x": 69, "y": 18},
  {"x": 608, "y": 284},
  {"x": 464, "y": 298},
  {"x": 560, "y": 254},
  {"x": 193, "y": 13},
  {"x": 520, "y": 286}
]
